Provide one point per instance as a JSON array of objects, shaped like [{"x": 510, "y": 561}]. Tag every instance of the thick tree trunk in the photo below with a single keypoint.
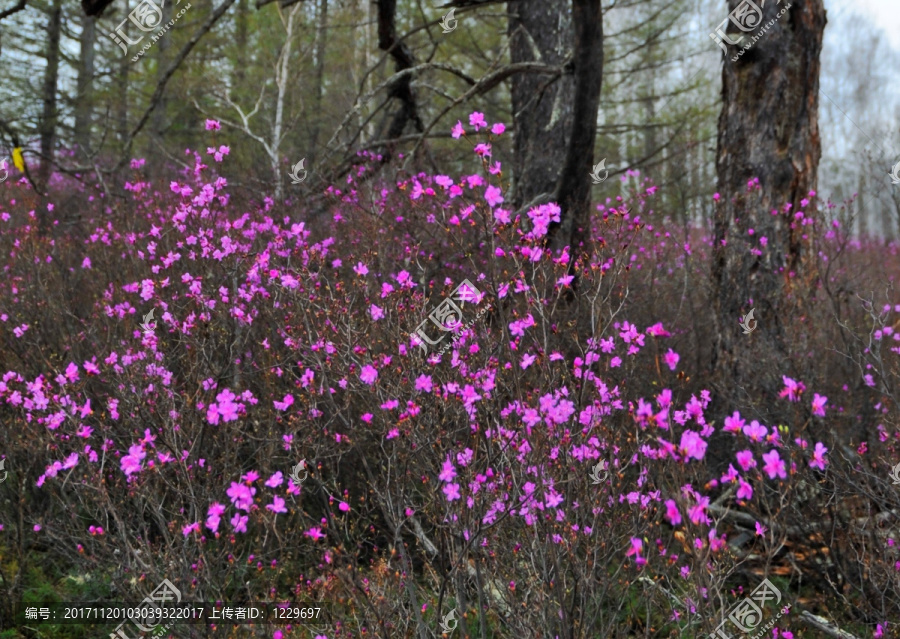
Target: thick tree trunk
[
  {"x": 768, "y": 129},
  {"x": 51, "y": 76},
  {"x": 403, "y": 59},
  {"x": 95, "y": 7},
  {"x": 539, "y": 31},
  {"x": 573, "y": 191},
  {"x": 84, "y": 101}
]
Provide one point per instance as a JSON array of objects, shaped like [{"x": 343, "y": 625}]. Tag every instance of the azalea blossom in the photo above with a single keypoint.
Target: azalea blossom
[
  {"x": 774, "y": 465},
  {"x": 818, "y": 460},
  {"x": 792, "y": 389},
  {"x": 818, "y": 405},
  {"x": 671, "y": 358},
  {"x": 636, "y": 547},
  {"x": 672, "y": 513},
  {"x": 477, "y": 120},
  {"x": 692, "y": 445}
]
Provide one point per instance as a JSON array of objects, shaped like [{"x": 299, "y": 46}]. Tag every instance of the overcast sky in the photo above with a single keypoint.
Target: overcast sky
[{"x": 885, "y": 13}]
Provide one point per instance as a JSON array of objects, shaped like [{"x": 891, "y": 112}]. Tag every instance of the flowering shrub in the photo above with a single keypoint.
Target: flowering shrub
[{"x": 437, "y": 480}]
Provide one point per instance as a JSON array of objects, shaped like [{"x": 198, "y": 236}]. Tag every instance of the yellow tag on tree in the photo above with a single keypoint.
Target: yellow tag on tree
[{"x": 18, "y": 159}]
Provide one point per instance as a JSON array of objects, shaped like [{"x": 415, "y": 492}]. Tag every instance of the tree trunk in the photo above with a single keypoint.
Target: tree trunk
[
  {"x": 403, "y": 59},
  {"x": 862, "y": 218},
  {"x": 768, "y": 129},
  {"x": 122, "y": 92},
  {"x": 84, "y": 101},
  {"x": 573, "y": 191},
  {"x": 240, "y": 39},
  {"x": 321, "y": 39},
  {"x": 159, "y": 121},
  {"x": 51, "y": 75},
  {"x": 539, "y": 31},
  {"x": 95, "y": 7}
]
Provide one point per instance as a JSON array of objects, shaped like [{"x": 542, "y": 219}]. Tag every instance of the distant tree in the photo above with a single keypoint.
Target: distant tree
[
  {"x": 49, "y": 92},
  {"x": 85, "y": 96}
]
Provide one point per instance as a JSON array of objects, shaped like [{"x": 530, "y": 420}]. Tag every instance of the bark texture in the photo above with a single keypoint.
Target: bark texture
[
  {"x": 573, "y": 191},
  {"x": 51, "y": 77},
  {"x": 542, "y": 110},
  {"x": 768, "y": 129},
  {"x": 403, "y": 58},
  {"x": 94, "y": 7},
  {"x": 84, "y": 102}
]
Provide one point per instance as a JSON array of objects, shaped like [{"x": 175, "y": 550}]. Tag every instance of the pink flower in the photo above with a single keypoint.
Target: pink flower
[
  {"x": 447, "y": 472},
  {"x": 187, "y": 530},
  {"x": 344, "y": 507},
  {"x": 275, "y": 480},
  {"x": 315, "y": 533},
  {"x": 636, "y": 547},
  {"x": 498, "y": 128},
  {"x": 672, "y": 513},
  {"x": 360, "y": 269},
  {"x": 424, "y": 383},
  {"x": 213, "y": 125},
  {"x": 477, "y": 120},
  {"x": 451, "y": 491},
  {"x": 697, "y": 513},
  {"x": 818, "y": 460},
  {"x": 755, "y": 431},
  {"x": 376, "y": 312},
  {"x": 716, "y": 543},
  {"x": 818, "y": 405},
  {"x": 239, "y": 523},
  {"x": 745, "y": 459},
  {"x": 671, "y": 358},
  {"x": 493, "y": 196},
  {"x": 774, "y": 465},
  {"x": 213, "y": 516},
  {"x": 458, "y": 130},
  {"x": 792, "y": 389},
  {"x": 734, "y": 424},
  {"x": 692, "y": 445},
  {"x": 277, "y": 505},
  {"x": 285, "y": 403},
  {"x": 368, "y": 374},
  {"x": 657, "y": 330},
  {"x": 745, "y": 490},
  {"x": 760, "y": 529},
  {"x": 241, "y": 495}
]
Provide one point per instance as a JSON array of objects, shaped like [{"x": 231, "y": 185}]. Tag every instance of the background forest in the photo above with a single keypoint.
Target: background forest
[{"x": 539, "y": 318}]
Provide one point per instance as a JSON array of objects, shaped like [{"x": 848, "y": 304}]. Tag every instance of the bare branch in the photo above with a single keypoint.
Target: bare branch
[
  {"x": 18, "y": 7},
  {"x": 822, "y": 624},
  {"x": 95, "y": 7},
  {"x": 284, "y": 3},
  {"x": 161, "y": 87}
]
